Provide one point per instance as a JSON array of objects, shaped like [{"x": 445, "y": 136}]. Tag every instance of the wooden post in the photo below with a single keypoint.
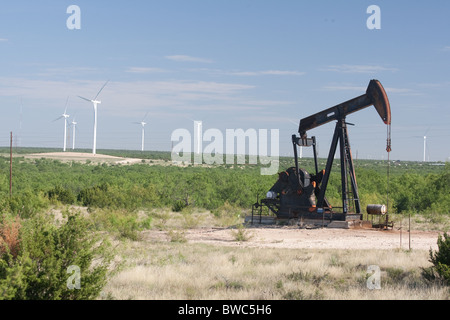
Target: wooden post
[
  {"x": 409, "y": 231},
  {"x": 10, "y": 166}
]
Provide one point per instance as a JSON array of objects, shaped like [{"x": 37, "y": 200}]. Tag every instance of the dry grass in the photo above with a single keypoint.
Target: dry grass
[
  {"x": 166, "y": 265},
  {"x": 181, "y": 270},
  {"x": 423, "y": 222},
  {"x": 10, "y": 236}
]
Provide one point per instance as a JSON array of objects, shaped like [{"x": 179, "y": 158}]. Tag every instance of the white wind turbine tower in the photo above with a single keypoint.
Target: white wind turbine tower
[
  {"x": 424, "y": 144},
  {"x": 198, "y": 133},
  {"x": 142, "y": 123},
  {"x": 424, "y": 148},
  {"x": 96, "y": 103},
  {"x": 74, "y": 123},
  {"x": 65, "y": 116}
]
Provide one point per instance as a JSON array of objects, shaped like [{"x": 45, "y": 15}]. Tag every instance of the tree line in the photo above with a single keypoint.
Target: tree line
[{"x": 37, "y": 184}]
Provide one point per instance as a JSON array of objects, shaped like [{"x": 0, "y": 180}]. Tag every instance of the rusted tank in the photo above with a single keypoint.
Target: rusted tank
[{"x": 376, "y": 209}]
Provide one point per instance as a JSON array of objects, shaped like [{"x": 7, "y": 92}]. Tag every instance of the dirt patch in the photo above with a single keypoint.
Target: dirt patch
[
  {"x": 296, "y": 238},
  {"x": 83, "y": 157}
]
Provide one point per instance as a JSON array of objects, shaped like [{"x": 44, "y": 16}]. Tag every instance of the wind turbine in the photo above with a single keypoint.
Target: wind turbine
[
  {"x": 424, "y": 148},
  {"x": 73, "y": 123},
  {"x": 198, "y": 133},
  {"x": 424, "y": 144},
  {"x": 96, "y": 103},
  {"x": 142, "y": 123},
  {"x": 65, "y": 116}
]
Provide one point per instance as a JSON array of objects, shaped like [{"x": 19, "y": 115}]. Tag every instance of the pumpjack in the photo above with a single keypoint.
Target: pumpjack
[{"x": 299, "y": 194}]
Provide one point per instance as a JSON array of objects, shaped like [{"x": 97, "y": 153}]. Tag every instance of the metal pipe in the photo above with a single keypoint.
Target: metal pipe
[{"x": 315, "y": 155}]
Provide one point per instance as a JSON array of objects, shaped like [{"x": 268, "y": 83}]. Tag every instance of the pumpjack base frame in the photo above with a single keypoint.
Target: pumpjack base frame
[
  {"x": 305, "y": 223},
  {"x": 327, "y": 218}
]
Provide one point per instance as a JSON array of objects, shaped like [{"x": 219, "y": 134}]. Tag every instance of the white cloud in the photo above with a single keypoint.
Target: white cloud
[
  {"x": 67, "y": 71},
  {"x": 388, "y": 90},
  {"x": 133, "y": 96},
  {"x": 345, "y": 88},
  {"x": 266, "y": 72},
  {"x": 401, "y": 91},
  {"x": 439, "y": 85},
  {"x": 446, "y": 48},
  {"x": 145, "y": 70},
  {"x": 347, "y": 68},
  {"x": 184, "y": 58},
  {"x": 3, "y": 39},
  {"x": 273, "y": 120},
  {"x": 270, "y": 103},
  {"x": 239, "y": 73}
]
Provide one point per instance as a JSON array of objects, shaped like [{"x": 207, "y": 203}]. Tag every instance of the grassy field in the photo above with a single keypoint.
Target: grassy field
[
  {"x": 164, "y": 264},
  {"x": 134, "y": 204},
  {"x": 180, "y": 270}
]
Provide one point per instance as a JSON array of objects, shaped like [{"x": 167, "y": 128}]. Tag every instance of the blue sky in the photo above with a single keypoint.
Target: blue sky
[{"x": 231, "y": 64}]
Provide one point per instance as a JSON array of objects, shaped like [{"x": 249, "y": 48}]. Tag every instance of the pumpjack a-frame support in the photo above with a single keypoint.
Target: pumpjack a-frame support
[{"x": 348, "y": 177}]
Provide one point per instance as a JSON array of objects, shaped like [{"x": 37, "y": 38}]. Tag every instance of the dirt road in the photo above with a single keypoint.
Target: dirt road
[{"x": 291, "y": 237}]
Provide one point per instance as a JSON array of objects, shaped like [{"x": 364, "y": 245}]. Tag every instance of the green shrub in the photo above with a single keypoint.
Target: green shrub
[
  {"x": 179, "y": 205},
  {"x": 441, "y": 261},
  {"x": 26, "y": 204},
  {"x": 146, "y": 223},
  {"x": 96, "y": 196},
  {"x": 62, "y": 195},
  {"x": 120, "y": 222},
  {"x": 177, "y": 236},
  {"x": 42, "y": 269},
  {"x": 241, "y": 234}
]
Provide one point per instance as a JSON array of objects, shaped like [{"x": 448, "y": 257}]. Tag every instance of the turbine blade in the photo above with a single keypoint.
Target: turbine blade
[
  {"x": 85, "y": 98},
  {"x": 101, "y": 90},
  {"x": 57, "y": 119},
  {"x": 67, "y": 101},
  {"x": 145, "y": 116}
]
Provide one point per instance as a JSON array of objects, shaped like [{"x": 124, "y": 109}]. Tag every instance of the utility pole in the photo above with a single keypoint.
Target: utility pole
[{"x": 10, "y": 165}]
